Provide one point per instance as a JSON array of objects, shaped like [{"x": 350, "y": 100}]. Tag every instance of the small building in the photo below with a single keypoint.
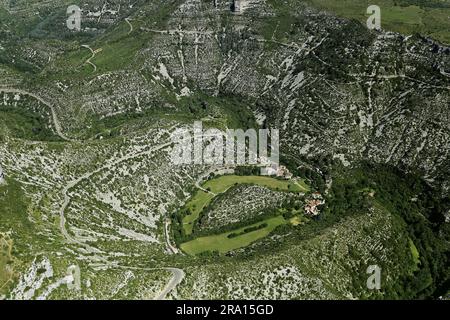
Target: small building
[
  {"x": 284, "y": 172},
  {"x": 312, "y": 204}
]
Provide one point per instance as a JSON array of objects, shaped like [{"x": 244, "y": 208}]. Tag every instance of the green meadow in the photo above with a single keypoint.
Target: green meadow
[
  {"x": 221, "y": 184},
  {"x": 223, "y": 244},
  {"x": 429, "y": 18},
  {"x": 415, "y": 254}
]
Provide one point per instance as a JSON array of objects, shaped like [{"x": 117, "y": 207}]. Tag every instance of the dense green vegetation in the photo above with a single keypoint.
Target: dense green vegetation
[
  {"x": 14, "y": 209},
  {"x": 215, "y": 112},
  {"x": 417, "y": 206},
  {"x": 414, "y": 206},
  {"x": 422, "y": 208},
  {"x": 247, "y": 230},
  {"x": 304, "y": 167},
  {"x": 28, "y": 120},
  {"x": 25, "y": 125}
]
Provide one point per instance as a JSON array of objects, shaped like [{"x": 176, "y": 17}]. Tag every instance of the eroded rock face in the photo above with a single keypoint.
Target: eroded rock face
[
  {"x": 240, "y": 204},
  {"x": 331, "y": 86}
]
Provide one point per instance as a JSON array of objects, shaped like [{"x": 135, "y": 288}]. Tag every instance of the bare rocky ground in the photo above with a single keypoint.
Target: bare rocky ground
[
  {"x": 242, "y": 204},
  {"x": 94, "y": 189}
]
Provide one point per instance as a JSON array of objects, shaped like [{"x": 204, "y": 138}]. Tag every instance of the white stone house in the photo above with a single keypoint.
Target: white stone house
[{"x": 276, "y": 170}]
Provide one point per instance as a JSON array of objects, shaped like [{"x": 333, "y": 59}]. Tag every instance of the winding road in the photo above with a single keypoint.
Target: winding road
[
  {"x": 56, "y": 122},
  {"x": 129, "y": 23},
  {"x": 178, "y": 276},
  {"x": 173, "y": 249},
  {"x": 88, "y": 61}
]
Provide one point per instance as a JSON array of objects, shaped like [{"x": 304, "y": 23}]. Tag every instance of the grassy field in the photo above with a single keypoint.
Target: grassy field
[
  {"x": 415, "y": 254},
  {"x": 223, "y": 244},
  {"x": 118, "y": 50},
  {"x": 13, "y": 217},
  {"x": 222, "y": 183},
  {"x": 219, "y": 185},
  {"x": 6, "y": 271},
  {"x": 413, "y": 17}
]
